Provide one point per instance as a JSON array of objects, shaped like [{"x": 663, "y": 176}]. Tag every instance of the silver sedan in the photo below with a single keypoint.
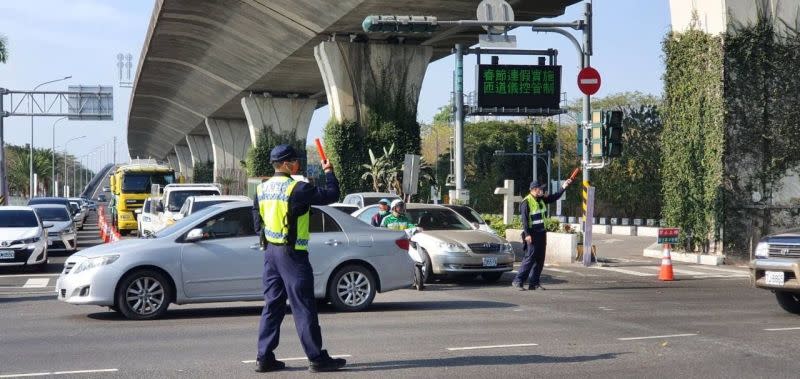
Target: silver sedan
[{"x": 213, "y": 256}]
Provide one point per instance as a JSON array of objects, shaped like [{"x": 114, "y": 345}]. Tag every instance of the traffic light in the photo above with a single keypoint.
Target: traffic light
[
  {"x": 400, "y": 24},
  {"x": 612, "y": 134}
]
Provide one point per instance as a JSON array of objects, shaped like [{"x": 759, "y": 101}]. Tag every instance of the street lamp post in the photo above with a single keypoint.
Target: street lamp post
[
  {"x": 30, "y": 190},
  {"x": 65, "y": 161},
  {"x": 53, "y": 178}
]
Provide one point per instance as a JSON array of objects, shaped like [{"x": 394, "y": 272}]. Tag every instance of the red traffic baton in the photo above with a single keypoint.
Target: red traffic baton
[
  {"x": 575, "y": 173},
  {"x": 320, "y": 150}
]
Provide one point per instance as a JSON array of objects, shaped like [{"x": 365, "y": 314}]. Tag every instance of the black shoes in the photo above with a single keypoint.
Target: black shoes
[
  {"x": 517, "y": 286},
  {"x": 537, "y": 287},
  {"x": 269, "y": 366},
  {"x": 325, "y": 363}
]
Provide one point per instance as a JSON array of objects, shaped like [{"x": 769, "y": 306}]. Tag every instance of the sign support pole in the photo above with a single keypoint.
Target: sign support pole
[
  {"x": 3, "y": 180},
  {"x": 587, "y": 139},
  {"x": 459, "y": 121}
]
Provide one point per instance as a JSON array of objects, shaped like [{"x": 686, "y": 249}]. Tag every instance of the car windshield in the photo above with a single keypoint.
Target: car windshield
[
  {"x": 470, "y": 215},
  {"x": 177, "y": 198},
  {"x": 18, "y": 219},
  {"x": 178, "y": 226},
  {"x": 141, "y": 182},
  {"x": 438, "y": 219},
  {"x": 52, "y": 214},
  {"x": 375, "y": 200}
]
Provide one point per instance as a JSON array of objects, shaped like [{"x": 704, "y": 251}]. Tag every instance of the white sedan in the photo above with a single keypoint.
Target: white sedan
[{"x": 213, "y": 255}]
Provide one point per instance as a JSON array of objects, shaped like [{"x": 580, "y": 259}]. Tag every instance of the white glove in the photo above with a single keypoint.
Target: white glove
[{"x": 566, "y": 183}]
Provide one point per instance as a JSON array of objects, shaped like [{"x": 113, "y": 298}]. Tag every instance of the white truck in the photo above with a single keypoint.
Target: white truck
[{"x": 175, "y": 195}]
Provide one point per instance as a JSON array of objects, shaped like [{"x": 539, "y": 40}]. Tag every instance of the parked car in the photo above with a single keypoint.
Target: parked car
[
  {"x": 23, "y": 238},
  {"x": 450, "y": 246},
  {"x": 80, "y": 217},
  {"x": 775, "y": 267},
  {"x": 213, "y": 255},
  {"x": 175, "y": 195},
  {"x": 196, "y": 203},
  {"x": 62, "y": 234},
  {"x": 472, "y": 216},
  {"x": 363, "y": 199},
  {"x": 106, "y": 189},
  {"x": 146, "y": 218},
  {"x": 346, "y": 208},
  {"x": 101, "y": 197}
]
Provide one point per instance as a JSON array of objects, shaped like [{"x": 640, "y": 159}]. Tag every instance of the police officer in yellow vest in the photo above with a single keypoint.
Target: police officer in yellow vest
[
  {"x": 283, "y": 205},
  {"x": 533, "y": 211}
]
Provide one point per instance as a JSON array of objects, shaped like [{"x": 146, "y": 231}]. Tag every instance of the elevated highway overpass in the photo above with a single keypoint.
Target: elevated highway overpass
[{"x": 212, "y": 73}]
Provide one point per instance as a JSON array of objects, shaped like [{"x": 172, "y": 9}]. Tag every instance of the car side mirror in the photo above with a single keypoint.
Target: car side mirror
[
  {"x": 138, "y": 211},
  {"x": 476, "y": 225},
  {"x": 47, "y": 226},
  {"x": 160, "y": 207},
  {"x": 194, "y": 235}
]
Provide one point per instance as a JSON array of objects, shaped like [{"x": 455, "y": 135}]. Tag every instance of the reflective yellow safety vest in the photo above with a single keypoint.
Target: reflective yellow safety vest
[
  {"x": 537, "y": 211},
  {"x": 273, "y": 205}
]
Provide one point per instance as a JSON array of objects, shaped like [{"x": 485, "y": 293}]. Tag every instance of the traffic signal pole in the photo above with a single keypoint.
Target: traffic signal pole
[{"x": 587, "y": 143}]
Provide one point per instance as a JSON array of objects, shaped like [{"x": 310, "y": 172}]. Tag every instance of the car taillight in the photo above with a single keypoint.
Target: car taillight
[{"x": 402, "y": 243}]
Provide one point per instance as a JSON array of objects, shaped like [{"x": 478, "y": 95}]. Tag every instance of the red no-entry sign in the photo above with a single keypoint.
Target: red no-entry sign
[{"x": 589, "y": 81}]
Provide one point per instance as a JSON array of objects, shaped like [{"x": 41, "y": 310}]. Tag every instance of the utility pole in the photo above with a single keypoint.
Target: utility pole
[{"x": 459, "y": 121}]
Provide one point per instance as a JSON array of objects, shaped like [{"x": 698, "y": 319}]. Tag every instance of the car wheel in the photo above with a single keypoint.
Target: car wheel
[
  {"x": 427, "y": 267},
  {"x": 419, "y": 276},
  {"x": 790, "y": 302},
  {"x": 144, "y": 295},
  {"x": 352, "y": 289},
  {"x": 491, "y": 277}
]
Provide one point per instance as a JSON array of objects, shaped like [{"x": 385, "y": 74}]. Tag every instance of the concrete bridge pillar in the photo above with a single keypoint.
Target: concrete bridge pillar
[
  {"x": 184, "y": 161},
  {"x": 287, "y": 119},
  {"x": 199, "y": 148},
  {"x": 230, "y": 140},
  {"x": 172, "y": 162},
  {"x": 359, "y": 75}
]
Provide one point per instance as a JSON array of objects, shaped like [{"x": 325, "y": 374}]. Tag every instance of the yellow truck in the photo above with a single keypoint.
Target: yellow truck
[{"x": 131, "y": 184}]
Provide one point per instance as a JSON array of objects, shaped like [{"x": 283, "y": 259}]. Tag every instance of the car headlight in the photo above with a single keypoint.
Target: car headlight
[
  {"x": 31, "y": 240},
  {"x": 762, "y": 250},
  {"x": 449, "y": 247},
  {"x": 95, "y": 262},
  {"x": 507, "y": 248}
]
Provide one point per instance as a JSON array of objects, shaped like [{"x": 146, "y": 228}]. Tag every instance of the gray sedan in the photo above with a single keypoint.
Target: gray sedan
[{"x": 213, "y": 256}]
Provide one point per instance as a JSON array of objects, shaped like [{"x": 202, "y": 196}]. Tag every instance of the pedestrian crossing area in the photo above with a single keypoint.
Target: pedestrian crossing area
[
  {"x": 682, "y": 271},
  {"x": 27, "y": 283}
]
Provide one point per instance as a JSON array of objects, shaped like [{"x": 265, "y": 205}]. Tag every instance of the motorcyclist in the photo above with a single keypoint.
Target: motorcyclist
[{"x": 397, "y": 219}]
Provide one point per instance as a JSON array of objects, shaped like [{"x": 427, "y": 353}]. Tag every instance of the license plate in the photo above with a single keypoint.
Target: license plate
[
  {"x": 6, "y": 254},
  {"x": 774, "y": 278},
  {"x": 490, "y": 262}
]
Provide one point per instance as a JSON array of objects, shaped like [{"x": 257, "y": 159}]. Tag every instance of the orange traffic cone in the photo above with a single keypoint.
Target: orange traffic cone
[{"x": 666, "y": 266}]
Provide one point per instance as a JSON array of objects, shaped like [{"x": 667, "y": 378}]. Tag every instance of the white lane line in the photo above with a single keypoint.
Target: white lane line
[
  {"x": 622, "y": 271},
  {"x": 781, "y": 329},
  {"x": 679, "y": 271},
  {"x": 28, "y": 275},
  {"x": 731, "y": 271},
  {"x": 655, "y": 337},
  {"x": 560, "y": 270},
  {"x": 301, "y": 358},
  {"x": 702, "y": 274},
  {"x": 490, "y": 347},
  {"x": 36, "y": 283},
  {"x": 58, "y": 373}
]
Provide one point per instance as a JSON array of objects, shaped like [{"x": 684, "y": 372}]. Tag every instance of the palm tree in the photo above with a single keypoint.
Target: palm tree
[
  {"x": 3, "y": 50},
  {"x": 380, "y": 170}
]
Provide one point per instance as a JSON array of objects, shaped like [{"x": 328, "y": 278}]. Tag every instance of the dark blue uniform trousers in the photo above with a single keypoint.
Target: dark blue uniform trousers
[
  {"x": 288, "y": 273},
  {"x": 533, "y": 263}
]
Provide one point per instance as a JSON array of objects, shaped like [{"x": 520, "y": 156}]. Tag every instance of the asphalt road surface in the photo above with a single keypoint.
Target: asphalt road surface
[{"x": 600, "y": 322}]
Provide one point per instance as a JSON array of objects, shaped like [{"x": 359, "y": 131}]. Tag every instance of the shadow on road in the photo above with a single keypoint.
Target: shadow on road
[
  {"x": 20, "y": 299},
  {"x": 429, "y": 306},
  {"x": 491, "y": 360}
]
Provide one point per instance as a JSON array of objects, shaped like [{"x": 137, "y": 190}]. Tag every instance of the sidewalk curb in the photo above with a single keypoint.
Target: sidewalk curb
[{"x": 656, "y": 251}]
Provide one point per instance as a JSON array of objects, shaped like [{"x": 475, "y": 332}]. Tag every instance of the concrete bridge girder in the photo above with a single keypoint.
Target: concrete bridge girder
[
  {"x": 199, "y": 148},
  {"x": 184, "y": 156}
]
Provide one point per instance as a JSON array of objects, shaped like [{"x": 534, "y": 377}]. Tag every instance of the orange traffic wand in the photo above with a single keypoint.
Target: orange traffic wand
[
  {"x": 666, "y": 266},
  {"x": 320, "y": 150},
  {"x": 575, "y": 173}
]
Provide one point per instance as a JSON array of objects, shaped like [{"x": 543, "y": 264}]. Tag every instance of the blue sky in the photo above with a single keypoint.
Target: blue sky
[{"x": 49, "y": 39}]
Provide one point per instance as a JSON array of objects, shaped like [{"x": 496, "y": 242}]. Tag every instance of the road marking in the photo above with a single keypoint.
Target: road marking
[
  {"x": 560, "y": 270},
  {"x": 623, "y": 271},
  {"x": 679, "y": 271},
  {"x": 701, "y": 274},
  {"x": 737, "y": 272},
  {"x": 301, "y": 358},
  {"x": 58, "y": 373},
  {"x": 36, "y": 283},
  {"x": 490, "y": 347},
  {"x": 28, "y": 275},
  {"x": 781, "y": 329},
  {"x": 655, "y": 337}
]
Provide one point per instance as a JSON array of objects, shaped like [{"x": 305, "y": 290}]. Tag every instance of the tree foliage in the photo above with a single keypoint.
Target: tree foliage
[
  {"x": 18, "y": 170},
  {"x": 258, "y": 161},
  {"x": 203, "y": 172},
  {"x": 3, "y": 49}
]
